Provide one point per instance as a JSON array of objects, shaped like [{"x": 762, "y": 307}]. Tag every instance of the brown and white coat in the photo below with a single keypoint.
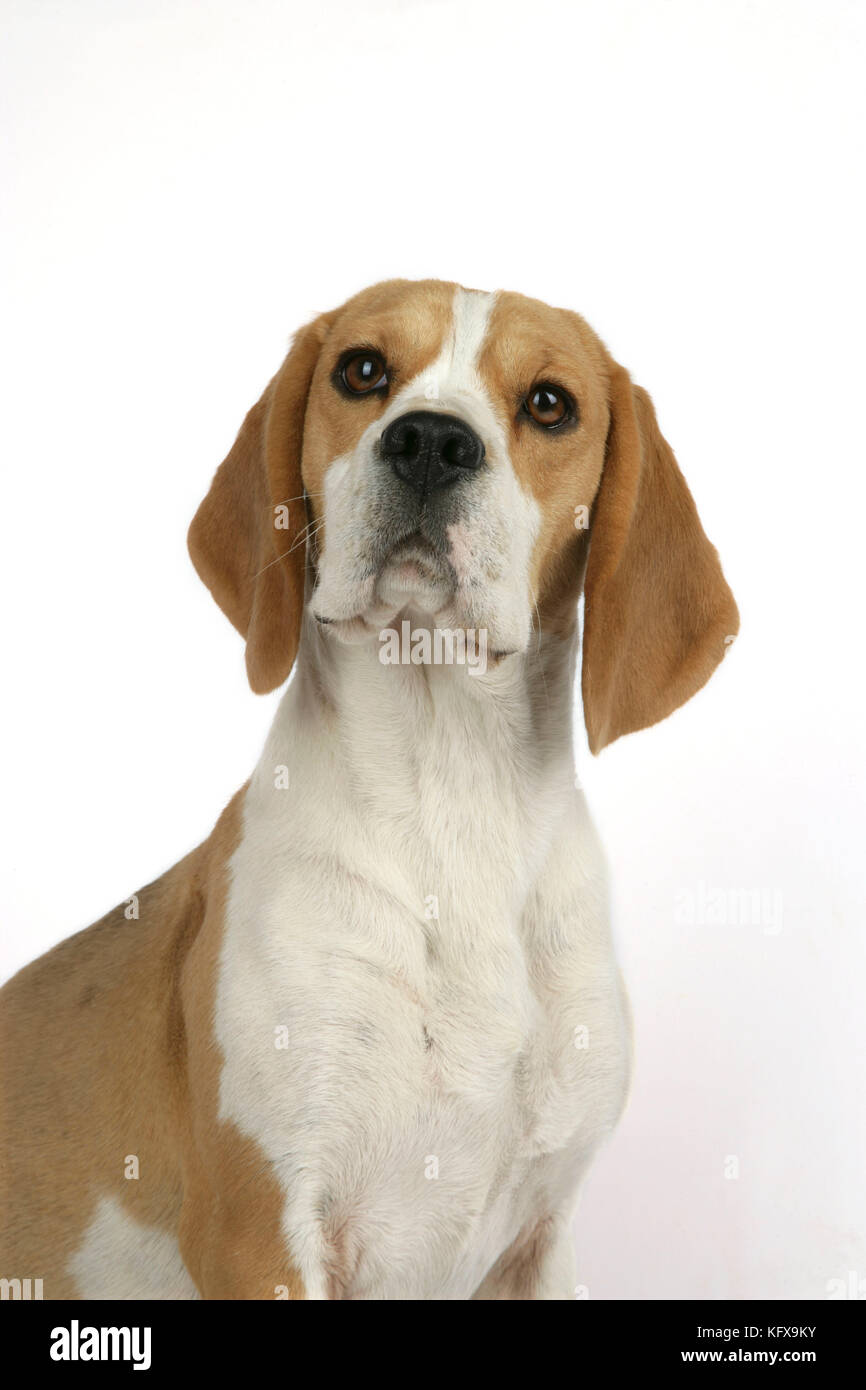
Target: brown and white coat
[{"x": 364, "y": 1041}]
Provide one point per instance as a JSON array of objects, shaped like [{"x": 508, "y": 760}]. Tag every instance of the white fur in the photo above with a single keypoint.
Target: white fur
[
  {"x": 121, "y": 1258},
  {"x": 408, "y": 782}
]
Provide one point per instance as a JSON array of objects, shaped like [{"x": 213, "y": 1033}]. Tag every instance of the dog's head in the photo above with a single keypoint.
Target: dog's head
[{"x": 478, "y": 458}]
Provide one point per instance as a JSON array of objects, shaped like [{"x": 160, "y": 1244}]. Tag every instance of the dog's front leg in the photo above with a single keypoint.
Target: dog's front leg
[
  {"x": 231, "y": 1236},
  {"x": 227, "y": 1261},
  {"x": 539, "y": 1264}
]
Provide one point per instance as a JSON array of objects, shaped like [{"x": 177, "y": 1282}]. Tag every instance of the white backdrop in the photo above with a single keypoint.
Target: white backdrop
[{"x": 184, "y": 184}]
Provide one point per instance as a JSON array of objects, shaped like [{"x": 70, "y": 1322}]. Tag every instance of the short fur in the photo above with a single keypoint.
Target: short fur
[{"x": 364, "y": 1042}]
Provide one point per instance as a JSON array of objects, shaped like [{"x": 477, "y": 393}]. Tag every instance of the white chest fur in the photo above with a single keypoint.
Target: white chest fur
[{"x": 418, "y": 1006}]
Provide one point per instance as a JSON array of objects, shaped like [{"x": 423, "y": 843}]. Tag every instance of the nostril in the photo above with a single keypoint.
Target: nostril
[
  {"x": 462, "y": 451},
  {"x": 457, "y": 452},
  {"x": 401, "y": 440}
]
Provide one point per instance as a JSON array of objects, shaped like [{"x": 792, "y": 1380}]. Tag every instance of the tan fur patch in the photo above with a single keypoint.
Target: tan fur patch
[
  {"x": 527, "y": 343},
  {"x": 108, "y": 1050},
  {"x": 658, "y": 609},
  {"x": 407, "y": 322}
]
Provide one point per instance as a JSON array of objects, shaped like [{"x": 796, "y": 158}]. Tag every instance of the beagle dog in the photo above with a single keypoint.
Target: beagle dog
[{"x": 365, "y": 1040}]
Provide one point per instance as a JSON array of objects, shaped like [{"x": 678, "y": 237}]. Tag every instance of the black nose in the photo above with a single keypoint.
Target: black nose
[{"x": 429, "y": 450}]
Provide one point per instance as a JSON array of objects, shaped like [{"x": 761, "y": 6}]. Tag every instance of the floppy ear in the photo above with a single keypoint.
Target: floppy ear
[
  {"x": 249, "y": 552},
  {"x": 657, "y": 608}
]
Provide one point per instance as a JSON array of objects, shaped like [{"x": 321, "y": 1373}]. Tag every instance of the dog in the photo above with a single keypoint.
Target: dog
[{"x": 364, "y": 1042}]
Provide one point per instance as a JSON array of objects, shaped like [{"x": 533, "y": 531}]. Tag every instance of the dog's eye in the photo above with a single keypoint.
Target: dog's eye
[
  {"x": 364, "y": 371},
  {"x": 549, "y": 405}
]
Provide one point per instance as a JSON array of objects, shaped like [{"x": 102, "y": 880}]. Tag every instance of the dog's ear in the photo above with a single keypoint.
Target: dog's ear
[
  {"x": 657, "y": 608},
  {"x": 247, "y": 537}
]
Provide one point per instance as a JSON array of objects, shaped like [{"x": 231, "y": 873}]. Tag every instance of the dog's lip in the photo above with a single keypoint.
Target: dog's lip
[
  {"x": 416, "y": 552},
  {"x": 410, "y": 569}
]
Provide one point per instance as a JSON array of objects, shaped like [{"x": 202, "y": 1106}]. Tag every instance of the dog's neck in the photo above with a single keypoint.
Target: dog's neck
[{"x": 451, "y": 760}]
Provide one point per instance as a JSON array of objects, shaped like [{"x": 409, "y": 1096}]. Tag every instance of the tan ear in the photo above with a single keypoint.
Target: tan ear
[
  {"x": 657, "y": 608},
  {"x": 254, "y": 568}
]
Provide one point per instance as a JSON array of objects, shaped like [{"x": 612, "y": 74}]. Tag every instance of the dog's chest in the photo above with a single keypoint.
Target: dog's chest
[{"x": 404, "y": 1047}]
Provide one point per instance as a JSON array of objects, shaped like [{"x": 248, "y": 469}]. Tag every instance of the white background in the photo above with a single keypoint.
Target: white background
[{"x": 186, "y": 183}]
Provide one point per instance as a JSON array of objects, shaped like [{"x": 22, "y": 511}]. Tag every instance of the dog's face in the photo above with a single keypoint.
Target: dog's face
[
  {"x": 452, "y": 438},
  {"x": 470, "y": 457}
]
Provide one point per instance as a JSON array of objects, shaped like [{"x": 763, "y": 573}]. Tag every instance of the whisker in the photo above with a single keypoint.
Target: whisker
[
  {"x": 317, "y": 526},
  {"x": 539, "y": 657},
  {"x": 301, "y": 497},
  {"x": 304, "y": 535}
]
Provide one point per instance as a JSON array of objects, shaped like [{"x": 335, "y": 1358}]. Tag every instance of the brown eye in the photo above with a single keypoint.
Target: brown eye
[
  {"x": 364, "y": 371},
  {"x": 548, "y": 406}
]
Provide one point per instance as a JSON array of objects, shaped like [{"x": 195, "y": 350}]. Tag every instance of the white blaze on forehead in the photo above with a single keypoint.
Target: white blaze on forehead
[
  {"x": 470, "y": 320},
  {"x": 454, "y": 374}
]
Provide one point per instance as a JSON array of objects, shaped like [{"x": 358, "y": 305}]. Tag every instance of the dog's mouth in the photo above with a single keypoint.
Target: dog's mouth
[
  {"x": 416, "y": 569},
  {"x": 408, "y": 573}
]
